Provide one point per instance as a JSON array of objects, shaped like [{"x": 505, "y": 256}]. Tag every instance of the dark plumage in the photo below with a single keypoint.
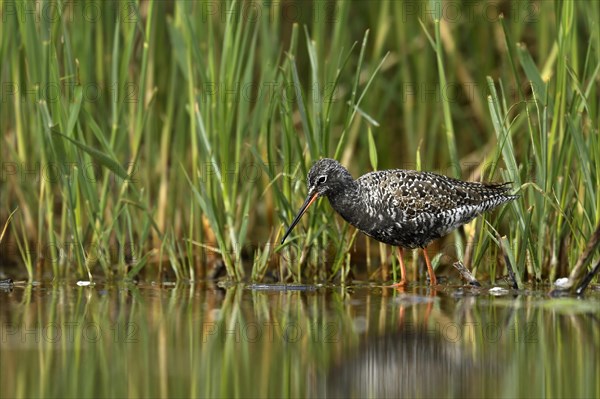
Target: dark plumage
[{"x": 404, "y": 208}]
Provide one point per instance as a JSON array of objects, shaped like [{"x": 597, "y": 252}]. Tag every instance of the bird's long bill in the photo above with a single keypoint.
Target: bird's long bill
[{"x": 308, "y": 202}]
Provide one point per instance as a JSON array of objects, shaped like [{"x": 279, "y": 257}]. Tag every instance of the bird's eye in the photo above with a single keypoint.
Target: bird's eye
[{"x": 322, "y": 179}]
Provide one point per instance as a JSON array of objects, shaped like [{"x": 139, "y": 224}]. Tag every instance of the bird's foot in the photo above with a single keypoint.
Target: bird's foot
[{"x": 400, "y": 284}]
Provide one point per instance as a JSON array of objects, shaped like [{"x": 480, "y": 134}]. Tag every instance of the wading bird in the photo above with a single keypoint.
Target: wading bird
[{"x": 403, "y": 208}]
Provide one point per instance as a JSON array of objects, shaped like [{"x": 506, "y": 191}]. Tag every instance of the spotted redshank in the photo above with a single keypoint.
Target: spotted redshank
[{"x": 403, "y": 208}]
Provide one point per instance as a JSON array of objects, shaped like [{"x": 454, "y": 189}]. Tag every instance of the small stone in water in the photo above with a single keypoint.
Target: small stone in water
[
  {"x": 498, "y": 291},
  {"x": 562, "y": 282}
]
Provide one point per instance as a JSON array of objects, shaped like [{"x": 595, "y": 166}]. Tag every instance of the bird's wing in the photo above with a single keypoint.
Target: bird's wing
[
  {"x": 406, "y": 194},
  {"x": 417, "y": 193},
  {"x": 414, "y": 207}
]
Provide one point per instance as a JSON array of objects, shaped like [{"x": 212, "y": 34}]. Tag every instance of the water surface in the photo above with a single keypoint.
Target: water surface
[{"x": 200, "y": 340}]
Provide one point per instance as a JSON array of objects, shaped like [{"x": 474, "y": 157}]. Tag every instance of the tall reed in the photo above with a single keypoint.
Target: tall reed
[{"x": 172, "y": 135}]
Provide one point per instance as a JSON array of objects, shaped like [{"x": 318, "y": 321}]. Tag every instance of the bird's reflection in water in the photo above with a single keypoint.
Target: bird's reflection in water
[{"x": 415, "y": 360}]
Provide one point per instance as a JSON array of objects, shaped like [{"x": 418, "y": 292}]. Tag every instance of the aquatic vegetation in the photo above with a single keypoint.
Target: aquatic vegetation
[{"x": 171, "y": 140}]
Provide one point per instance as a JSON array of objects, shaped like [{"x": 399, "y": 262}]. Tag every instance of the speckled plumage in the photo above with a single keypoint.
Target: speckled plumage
[{"x": 400, "y": 207}]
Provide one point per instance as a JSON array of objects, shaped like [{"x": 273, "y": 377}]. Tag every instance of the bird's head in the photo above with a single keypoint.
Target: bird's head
[{"x": 325, "y": 177}]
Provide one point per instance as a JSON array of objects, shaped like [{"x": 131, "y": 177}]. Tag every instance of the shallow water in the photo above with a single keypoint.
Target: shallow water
[{"x": 363, "y": 341}]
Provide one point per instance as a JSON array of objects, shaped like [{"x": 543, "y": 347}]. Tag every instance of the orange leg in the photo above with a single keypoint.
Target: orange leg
[
  {"x": 432, "y": 279},
  {"x": 401, "y": 316},
  {"x": 429, "y": 308},
  {"x": 402, "y": 281}
]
